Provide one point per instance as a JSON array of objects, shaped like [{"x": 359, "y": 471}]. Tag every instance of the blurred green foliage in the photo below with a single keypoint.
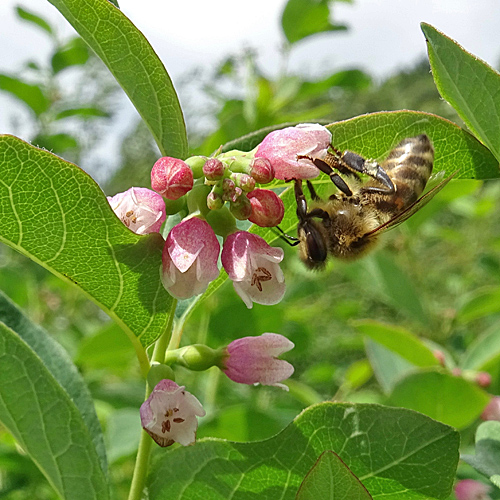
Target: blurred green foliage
[{"x": 437, "y": 277}]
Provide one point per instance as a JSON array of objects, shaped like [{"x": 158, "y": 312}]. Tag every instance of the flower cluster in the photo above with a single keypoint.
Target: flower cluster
[{"x": 212, "y": 194}]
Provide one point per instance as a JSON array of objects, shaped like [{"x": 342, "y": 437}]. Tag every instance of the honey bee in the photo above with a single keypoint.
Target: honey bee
[{"x": 348, "y": 224}]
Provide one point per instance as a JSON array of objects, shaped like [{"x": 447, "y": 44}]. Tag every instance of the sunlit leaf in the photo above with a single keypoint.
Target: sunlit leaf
[
  {"x": 46, "y": 422},
  {"x": 468, "y": 84},
  {"x": 54, "y": 213},
  {"x": 378, "y": 452},
  {"x": 32, "y": 95},
  {"x": 134, "y": 64},
  {"x": 330, "y": 478},
  {"x": 442, "y": 396}
]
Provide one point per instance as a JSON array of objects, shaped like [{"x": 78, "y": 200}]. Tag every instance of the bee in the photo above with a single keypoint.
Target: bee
[{"x": 349, "y": 224}]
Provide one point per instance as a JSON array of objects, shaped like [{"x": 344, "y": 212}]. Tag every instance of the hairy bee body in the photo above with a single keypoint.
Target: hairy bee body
[{"x": 347, "y": 226}]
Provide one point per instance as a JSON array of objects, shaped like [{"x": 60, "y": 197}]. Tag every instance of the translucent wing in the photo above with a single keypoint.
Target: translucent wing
[{"x": 414, "y": 207}]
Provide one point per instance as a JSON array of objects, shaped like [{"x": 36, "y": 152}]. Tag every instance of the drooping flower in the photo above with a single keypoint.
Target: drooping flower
[
  {"x": 282, "y": 147},
  {"x": 470, "y": 489},
  {"x": 254, "y": 268},
  {"x": 253, "y": 360},
  {"x": 169, "y": 414},
  {"x": 492, "y": 410},
  {"x": 171, "y": 177},
  {"x": 189, "y": 259},
  {"x": 140, "y": 209},
  {"x": 267, "y": 208}
]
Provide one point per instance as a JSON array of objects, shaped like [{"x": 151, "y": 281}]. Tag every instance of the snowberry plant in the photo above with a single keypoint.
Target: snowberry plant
[{"x": 144, "y": 253}]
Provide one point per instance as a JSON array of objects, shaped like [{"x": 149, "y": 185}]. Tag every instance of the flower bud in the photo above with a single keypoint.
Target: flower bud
[
  {"x": 253, "y": 360},
  {"x": 214, "y": 169},
  {"x": 492, "y": 410},
  {"x": 267, "y": 208},
  {"x": 169, "y": 414},
  {"x": 196, "y": 163},
  {"x": 244, "y": 181},
  {"x": 229, "y": 190},
  {"x": 262, "y": 170},
  {"x": 196, "y": 357},
  {"x": 214, "y": 200},
  {"x": 282, "y": 147},
  {"x": 241, "y": 208},
  {"x": 483, "y": 379},
  {"x": 140, "y": 209},
  {"x": 171, "y": 177},
  {"x": 470, "y": 489}
]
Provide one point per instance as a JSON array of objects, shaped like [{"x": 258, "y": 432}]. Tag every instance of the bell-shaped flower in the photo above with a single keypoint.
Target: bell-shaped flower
[
  {"x": 169, "y": 414},
  {"x": 470, "y": 489},
  {"x": 171, "y": 177},
  {"x": 254, "y": 268},
  {"x": 267, "y": 208},
  {"x": 189, "y": 259},
  {"x": 254, "y": 360},
  {"x": 140, "y": 209},
  {"x": 282, "y": 147},
  {"x": 492, "y": 410}
]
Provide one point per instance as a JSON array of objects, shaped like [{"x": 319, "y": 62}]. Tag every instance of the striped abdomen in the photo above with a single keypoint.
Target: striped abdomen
[{"x": 409, "y": 165}]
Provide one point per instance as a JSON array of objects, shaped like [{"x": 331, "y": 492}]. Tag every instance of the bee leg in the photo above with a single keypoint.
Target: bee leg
[
  {"x": 371, "y": 168},
  {"x": 288, "y": 239},
  {"x": 312, "y": 191},
  {"x": 327, "y": 169}
]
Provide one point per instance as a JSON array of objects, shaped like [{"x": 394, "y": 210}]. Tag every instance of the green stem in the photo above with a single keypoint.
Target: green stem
[{"x": 144, "y": 450}]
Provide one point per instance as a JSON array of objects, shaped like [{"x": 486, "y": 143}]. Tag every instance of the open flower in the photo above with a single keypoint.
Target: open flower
[
  {"x": 189, "y": 259},
  {"x": 253, "y": 266},
  {"x": 140, "y": 209},
  {"x": 282, "y": 147},
  {"x": 469, "y": 489},
  {"x": 169, "y": 414},
  {"x": 171, "y": 177},
  {"x": 253, "y": 360}
]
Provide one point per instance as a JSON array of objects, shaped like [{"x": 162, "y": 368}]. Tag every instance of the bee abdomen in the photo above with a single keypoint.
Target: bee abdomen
[{"x": 409, "y": 165}]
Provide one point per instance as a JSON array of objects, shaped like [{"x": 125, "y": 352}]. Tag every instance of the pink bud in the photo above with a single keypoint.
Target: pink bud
[
  {"x": 439, "y": 355},
  {"x": 253, "y": 266},
  {"x": 213, "y": 169},
  {"x": 190, "y": 258},
  {"x": 267, "y": 208},
  {"x": 244, "y": 181},
  {"x": 253, "y": 360},
  {"x": 169, "y": 414},
  {"x": 492, "y": 410},
  {"x": 469, "y": 489},
  {"x": 282, "y": 147},
  {"x": 241, "y": 208},
  {"x": 262, "y": 170},
  {"x": 171, "y": 177},
  {"x": 214, "y": 201},
  {"x": 483, "y": 379},
  {"x": 140, "y": 209}
]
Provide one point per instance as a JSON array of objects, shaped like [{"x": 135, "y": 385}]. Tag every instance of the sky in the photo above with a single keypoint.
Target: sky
[{"x": 384, "y": 35}]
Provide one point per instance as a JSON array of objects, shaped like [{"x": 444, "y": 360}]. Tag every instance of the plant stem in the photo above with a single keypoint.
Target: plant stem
[{"x": 144, "y": 450}]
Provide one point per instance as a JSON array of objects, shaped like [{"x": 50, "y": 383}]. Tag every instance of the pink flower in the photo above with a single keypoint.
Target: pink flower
[
  {"x": 469, "y": 489},
  {"x": 214, "y": 169},
  {"x": 281, "y": 148},
  {"x": 169, "y": 414},
  {"x": 253, "y": 360},
  {"x": 253, "y": 266},
  {"x": 262, "y": 170},
  {"x": 492, "y": 410},
  {"x": 140, "y": 209},
  {"x": 267, "y": 208},
  {"x": 171, "y": 177},
  {"x": 189, "y": 260},
  {"x": 483, "y": 379}
]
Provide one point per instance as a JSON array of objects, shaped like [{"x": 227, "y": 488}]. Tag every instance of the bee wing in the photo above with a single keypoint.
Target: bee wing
[{"x": 414, "y": 207}]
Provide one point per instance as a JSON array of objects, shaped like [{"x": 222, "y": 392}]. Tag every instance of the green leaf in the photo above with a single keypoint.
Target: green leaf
[
  {"x": 468, "y": 84},
  {"x": 484, "y": 353},
  {"x": 449, "y": 399},
  {"x": 57, "y": 143},
  {"x": 82, "y": 113},
  {"x": 330, "y": 478},
  {"x": 54, "y": 213},
  {"x": 303, "y": 18},
  {"x": 26, "y": 15},
  {"x": 123, "y": 432},
  {"x": 480, "y": 303},
  {"x": 59, "y": 364},
  {"x": 73, "y": 53},
  {"x": 135, "y": 65},
  {"x": 487, "y": 457},
  {"x": 398, "y": 340},
  {"x": 31, "y": 95},
  {"x": 392, "y": 461},
  {"x": 46, "y": 423}
]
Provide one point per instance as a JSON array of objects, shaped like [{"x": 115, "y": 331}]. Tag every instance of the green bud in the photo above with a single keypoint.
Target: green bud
[
  {"x": 241, "y": 208},
  {"x": 159, "y": 372},
  {"x": 196, "y": 164},
  {"x": 196, "y": 357},
  {"x": 197, "y": 199},
  {"x": 238, "y": 161},
  {"x": 222, "y": 221}
]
